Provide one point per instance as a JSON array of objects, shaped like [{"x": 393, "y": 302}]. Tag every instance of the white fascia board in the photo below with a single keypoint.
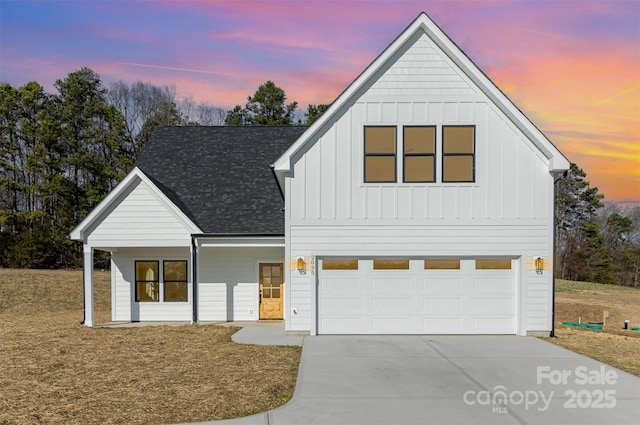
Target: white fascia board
[
  {"x": 97, "y": 214},
  {"x": 283, "y": 163},
  {"x": 77, "y": 234},
  {"x": 240, "y": 241},
  {"x": 557, "y": 161}
]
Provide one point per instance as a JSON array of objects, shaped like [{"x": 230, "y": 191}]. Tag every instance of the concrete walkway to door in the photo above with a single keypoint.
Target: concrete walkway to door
[{"x": 452, "y": 380}]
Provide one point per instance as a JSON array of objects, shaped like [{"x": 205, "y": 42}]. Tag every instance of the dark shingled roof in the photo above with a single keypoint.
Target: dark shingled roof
[{"x": 220, "y": 177}]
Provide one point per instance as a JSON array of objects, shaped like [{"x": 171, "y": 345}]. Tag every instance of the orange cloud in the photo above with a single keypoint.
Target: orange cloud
[{"x": 585, "y": 96}]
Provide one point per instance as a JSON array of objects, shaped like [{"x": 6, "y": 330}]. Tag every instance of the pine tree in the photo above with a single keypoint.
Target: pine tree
[{"x": 266, "y": 107}]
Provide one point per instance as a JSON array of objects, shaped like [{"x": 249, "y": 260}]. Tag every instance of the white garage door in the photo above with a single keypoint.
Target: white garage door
[{"x": 417, "y": 296}]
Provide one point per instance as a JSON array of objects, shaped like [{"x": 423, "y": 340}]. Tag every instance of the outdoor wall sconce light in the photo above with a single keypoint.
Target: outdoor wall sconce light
[
  {"x": 301, "y": 265},
  {"x": 539, "y": 265}
]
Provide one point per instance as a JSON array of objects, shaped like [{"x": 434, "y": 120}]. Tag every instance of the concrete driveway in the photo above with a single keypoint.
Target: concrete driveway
[{"x": 452, "y": 380}]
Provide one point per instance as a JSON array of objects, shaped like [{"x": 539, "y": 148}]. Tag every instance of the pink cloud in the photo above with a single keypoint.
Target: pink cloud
[{"x": 563, "y": 63}]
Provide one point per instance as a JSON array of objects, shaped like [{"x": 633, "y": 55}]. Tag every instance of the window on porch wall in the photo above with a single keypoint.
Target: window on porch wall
[
  {"x": 175, "y": 280},
  {"x": 147, "y": 281}
]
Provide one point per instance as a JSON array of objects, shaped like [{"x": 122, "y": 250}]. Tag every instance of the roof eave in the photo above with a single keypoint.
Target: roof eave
[
  {"x": 79, "y": 233},
  {"x": 284, "y": 162},
  {"x": 557, "y": 160}
]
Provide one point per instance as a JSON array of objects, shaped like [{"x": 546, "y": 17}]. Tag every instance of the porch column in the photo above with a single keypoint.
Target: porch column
[{"x": 87, "y": 267}]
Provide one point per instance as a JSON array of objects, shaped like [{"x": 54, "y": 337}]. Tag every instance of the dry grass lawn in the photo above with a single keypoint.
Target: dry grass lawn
[
  {"x": 53, "y": 370},
  {"x": 586, "y": 302}
]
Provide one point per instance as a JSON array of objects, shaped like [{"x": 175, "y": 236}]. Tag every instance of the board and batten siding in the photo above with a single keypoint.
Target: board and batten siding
[
  {"x": 228, "y": 281},
  {"x": 512, "y": 180},
  {"x": 124, "y": 307},
  {"x": 140, "y": 218},
  {"x": 507, "y": 210}
]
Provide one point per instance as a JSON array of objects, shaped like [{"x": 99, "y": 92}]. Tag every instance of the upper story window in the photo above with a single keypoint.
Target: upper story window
[
  {"x": 419, "y": 154},
  {"x": 421, "y": 160},
  {"x": 458, "y": 154},
  {"x": 380, "y": 154}
]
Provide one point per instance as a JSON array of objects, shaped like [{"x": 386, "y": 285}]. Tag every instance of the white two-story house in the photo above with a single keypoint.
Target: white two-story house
[{"x": 421, "y": 202}]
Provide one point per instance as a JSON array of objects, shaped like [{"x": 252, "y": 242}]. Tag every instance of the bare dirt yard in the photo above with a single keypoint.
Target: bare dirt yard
[
  {"x": 54, "y": 370},
  {"x": 586, "y": 302}
]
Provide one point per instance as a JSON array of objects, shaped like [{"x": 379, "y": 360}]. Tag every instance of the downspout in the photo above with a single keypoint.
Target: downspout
[
  {"x": 84, "y": 295},
  {"x": 553, "y": 265},
  {"x": 194, "y": 277}
]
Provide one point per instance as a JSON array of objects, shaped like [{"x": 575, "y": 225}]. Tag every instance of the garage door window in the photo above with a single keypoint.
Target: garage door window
[
  {"x": 441, "y": 264},
  {"x": 339, "y": 264},
  {"x": 391, "y": 264},
  {"x": 493, "y": 264}
]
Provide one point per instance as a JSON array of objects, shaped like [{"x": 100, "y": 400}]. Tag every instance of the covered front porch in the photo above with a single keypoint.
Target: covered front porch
[{"x": 216, "y": 279}]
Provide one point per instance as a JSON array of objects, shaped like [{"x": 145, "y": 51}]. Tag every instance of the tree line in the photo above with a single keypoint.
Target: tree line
[
  {"x": 61, "y": 153},
  {"x": 595, "y": 241}
]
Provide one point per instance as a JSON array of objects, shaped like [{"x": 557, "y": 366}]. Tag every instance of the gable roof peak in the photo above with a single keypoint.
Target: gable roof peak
[{"x": 557, "y": 161}]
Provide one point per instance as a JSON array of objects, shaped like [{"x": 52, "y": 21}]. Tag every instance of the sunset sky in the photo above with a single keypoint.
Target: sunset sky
[{"x": 573, "y": 67}]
